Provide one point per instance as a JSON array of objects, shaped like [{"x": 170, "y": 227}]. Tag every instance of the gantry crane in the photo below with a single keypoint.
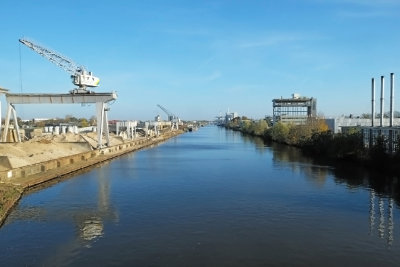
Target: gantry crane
[
  {"x": 171, "y": 117},
  {"x": 79, "y": 75}
]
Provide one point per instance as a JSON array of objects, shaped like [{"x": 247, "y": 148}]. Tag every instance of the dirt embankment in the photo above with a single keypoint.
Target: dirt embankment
[
  {"x": 40, "y": 149},
  {"x": 9, "y": 195}
]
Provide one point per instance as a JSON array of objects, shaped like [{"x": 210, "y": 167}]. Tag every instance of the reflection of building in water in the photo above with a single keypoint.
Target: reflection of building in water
[
  {"x": 384, "y": 229},
  {"x": 294, "y": 159}
]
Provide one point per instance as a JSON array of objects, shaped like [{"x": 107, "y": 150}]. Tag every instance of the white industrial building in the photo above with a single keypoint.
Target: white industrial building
[
  {"x": 336, "y": 124},
  {"x": 391, "y": 131}
]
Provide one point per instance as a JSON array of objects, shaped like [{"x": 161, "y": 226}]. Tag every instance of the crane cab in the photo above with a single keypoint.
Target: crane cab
[{"x": 85, "y": 79}]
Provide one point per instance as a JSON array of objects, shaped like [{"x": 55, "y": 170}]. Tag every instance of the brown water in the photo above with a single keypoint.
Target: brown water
[{"x": 208, "y": 198}]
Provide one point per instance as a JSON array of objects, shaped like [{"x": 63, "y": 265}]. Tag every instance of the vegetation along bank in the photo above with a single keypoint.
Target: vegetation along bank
[{"x": 314, "y": 138}]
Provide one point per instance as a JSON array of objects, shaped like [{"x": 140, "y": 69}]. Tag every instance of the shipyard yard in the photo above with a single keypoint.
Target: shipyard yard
[{"x": 37, "y": 152}]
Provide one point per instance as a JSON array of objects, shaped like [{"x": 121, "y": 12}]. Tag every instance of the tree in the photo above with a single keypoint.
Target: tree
[
  {"x": 83, "y": 122},
  {"x": 259, "y": 127},
  {"x": 365, "y": 116},
  {"x": 279, "y": 132}
]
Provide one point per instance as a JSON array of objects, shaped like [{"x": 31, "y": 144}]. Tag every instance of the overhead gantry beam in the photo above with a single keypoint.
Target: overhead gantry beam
[
  {"x": 60, "y": 98},
  {"x": 101, "y": 100}
]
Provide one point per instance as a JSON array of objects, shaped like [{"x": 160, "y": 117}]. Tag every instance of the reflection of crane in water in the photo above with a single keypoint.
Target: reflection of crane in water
[
  {"x": 89, "y": 221},
  {"x": 382, "y": 226}
]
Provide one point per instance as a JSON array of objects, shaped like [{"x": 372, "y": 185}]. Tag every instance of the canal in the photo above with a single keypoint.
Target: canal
[{"x": 208, "y": 198}]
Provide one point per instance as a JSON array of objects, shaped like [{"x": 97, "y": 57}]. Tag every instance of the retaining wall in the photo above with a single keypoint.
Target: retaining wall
[{"x": 80, "y": 160}]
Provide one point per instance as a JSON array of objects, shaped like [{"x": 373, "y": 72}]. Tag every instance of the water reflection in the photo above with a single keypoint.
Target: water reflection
[
  {"x": 356, "y": 176},
  {"x": 318, "y": 171},
  {"x": 88, "y": 221},
  {"x": 261, "y": 147},
  {"x": 384, "y": 191},
  {"x": 383, "y": 229},
  {"x": 291, "y": 157}
]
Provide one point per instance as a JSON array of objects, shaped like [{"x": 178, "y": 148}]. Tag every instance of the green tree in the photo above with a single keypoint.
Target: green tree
[
  {"x": 83, "y": 122},
  {"x": 279, "y": 132},
  {"x": 259, "y": 128}
]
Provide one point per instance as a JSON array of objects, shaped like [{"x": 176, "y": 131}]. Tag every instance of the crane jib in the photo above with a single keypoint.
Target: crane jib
[{"x": 80, "y": 76}]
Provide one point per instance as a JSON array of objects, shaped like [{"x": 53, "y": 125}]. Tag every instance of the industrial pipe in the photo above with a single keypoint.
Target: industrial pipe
[
  {"x": 391, "y": 99},
  {"x": 382, "y": 94},
  {"x": 373, "y": 102}
]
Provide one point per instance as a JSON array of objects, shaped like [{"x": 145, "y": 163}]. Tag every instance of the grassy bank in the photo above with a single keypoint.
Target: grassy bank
[{"x": 9, "y": 195}]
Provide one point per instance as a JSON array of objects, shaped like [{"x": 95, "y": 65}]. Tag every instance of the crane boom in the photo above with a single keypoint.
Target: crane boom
[
  {"x": 79, "y": 75},
  {"x": 170, "y": 115},
  {"x": 63, "y": 62}
]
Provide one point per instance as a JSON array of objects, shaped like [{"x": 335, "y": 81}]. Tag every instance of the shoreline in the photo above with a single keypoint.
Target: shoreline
[
  {"x": 15, "y": 182},
  {"x": 338, "y": 148}
]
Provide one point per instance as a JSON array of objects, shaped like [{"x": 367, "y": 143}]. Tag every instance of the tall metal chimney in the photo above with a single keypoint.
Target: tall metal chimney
[
  {"x": 382, "y": 94},
  {"x": 391, "y": 99},
  {"x": 373, "y": 102}
]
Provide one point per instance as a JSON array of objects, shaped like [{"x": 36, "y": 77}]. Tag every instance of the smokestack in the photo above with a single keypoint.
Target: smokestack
[
  {"x": 382, "y": 94},
  {"x": 391, "y": 99},
  {"x": 373, "y": 103}
]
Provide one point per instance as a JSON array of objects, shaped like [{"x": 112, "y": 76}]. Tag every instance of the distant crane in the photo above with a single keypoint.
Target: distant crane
[
  {"x": 79, "y": 75},
  {"x": 171, "y": 117}
]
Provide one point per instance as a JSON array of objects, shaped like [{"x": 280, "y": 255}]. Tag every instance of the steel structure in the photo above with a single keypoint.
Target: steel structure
[
  {"x": 2, "y": 91},
  {"x": 100, "y": 99},
  {"x": 79, "y": 75},
  {"x": 171, "y": 117},
  {"x": 295, "y": 110},
  {"x": 391, "y": 133}
]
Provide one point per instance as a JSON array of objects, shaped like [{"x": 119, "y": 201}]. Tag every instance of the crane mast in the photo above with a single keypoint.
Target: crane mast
[{"x": 79, "y": 75}]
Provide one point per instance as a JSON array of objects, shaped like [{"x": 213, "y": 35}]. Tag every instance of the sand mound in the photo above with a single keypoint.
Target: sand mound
[{"x": 47, "y": 147}]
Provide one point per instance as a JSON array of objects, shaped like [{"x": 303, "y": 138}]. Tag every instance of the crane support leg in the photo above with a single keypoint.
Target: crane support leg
[
  {"x": 11, "y": 111},
  {"x": 1, "y": 121},
  {"x": 102, "y": 124}
]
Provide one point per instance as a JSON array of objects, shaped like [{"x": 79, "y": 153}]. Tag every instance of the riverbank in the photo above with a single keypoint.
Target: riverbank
[
  {"x": 34, "y": 167},
  {"x": 315, "y": 140}
]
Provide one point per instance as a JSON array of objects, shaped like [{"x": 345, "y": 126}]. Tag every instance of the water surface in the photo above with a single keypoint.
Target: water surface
[{"x": 208, "y": 198}]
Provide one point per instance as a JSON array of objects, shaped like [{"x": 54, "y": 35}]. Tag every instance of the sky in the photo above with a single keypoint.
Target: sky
[{"x": 200, "y": 59}]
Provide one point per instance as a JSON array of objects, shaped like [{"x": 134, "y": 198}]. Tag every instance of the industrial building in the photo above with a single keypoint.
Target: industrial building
[
  {"x": 390, "y": 133},
  {"x": 230, "y": 116},
  {"x": 294, "y": 110},
  {"x": 340, "y": 124}
]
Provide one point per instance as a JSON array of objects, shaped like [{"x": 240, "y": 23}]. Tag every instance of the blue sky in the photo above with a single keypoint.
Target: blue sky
[{"x": 199, "y": 58}]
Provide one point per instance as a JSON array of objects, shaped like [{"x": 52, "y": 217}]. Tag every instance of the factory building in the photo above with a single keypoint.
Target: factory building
[
  {"x": 340, "y": 124},
  {"x": 389, "y": 133},
  {"x": 294, "y": 110},
  {"x": 230, "y": 116}
]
